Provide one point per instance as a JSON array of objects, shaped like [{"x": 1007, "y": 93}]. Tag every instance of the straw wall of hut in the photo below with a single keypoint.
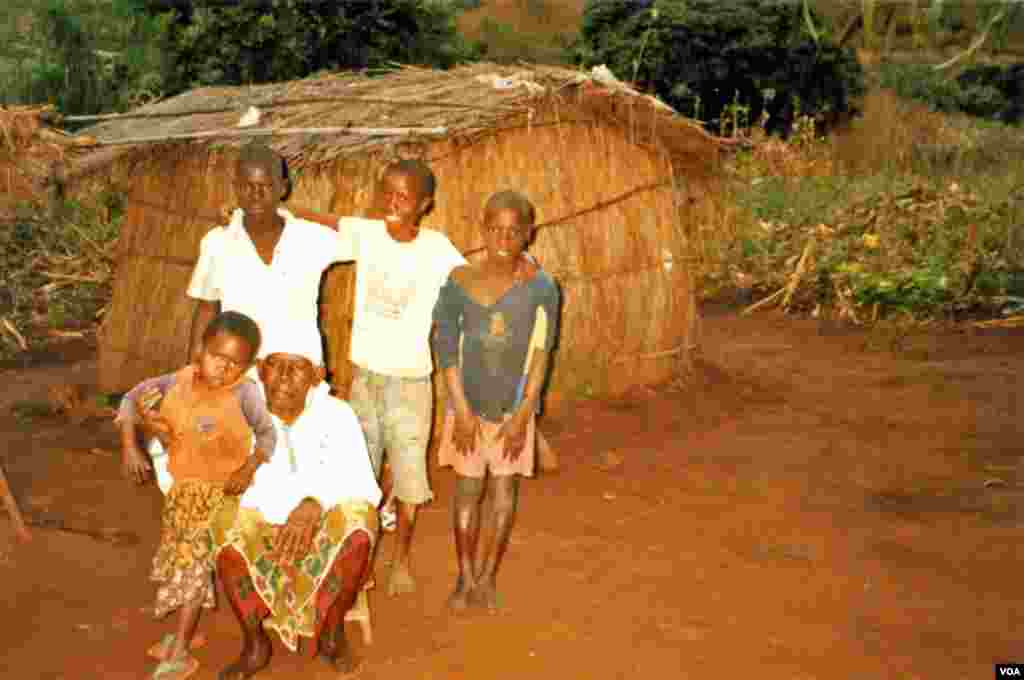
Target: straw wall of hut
[{"x": 611, "y": 232}]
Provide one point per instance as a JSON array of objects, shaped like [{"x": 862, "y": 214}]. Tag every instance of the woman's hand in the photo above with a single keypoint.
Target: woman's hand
[{"x": 296, "y": 536}]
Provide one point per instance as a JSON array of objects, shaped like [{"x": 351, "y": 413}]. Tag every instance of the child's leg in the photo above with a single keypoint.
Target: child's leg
[
  {"x": 504, "y": 493},
  {"x": 466, "y": 527},
  {"x": 188, "y": 618}
]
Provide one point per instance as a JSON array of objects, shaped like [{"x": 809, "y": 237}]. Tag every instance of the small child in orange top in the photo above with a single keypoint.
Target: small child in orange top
[{"x": 206, "y": 415}]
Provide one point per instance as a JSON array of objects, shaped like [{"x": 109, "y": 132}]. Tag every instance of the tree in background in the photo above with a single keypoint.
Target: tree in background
[
  {"x": 94, "y": 56},
  {"x": 83, "y": 56},
  {"x": 214, "y": 42},
  {"x": 717, "y": 60}
]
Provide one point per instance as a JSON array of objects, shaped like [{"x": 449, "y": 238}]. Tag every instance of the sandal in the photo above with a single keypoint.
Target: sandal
[
  {"x": 160, "y": 650},
  {"x": 388, "y": 519},
  {"x": 176, "y": 669}
]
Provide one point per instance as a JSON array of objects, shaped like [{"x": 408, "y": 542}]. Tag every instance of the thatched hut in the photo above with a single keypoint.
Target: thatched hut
[{"x": 614, "y": 174}]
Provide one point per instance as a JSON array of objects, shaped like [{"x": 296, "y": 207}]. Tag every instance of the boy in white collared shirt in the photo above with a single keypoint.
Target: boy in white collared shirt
[{"x": 266, "y": 263}]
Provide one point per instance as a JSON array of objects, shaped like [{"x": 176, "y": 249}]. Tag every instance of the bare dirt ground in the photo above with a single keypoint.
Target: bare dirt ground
[{"x": 818, "y": 503}]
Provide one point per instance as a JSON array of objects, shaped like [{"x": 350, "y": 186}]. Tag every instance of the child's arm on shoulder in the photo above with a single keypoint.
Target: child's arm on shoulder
[
  {"x": 347, "y": 228},
  {"x": 329, "y": 220}
]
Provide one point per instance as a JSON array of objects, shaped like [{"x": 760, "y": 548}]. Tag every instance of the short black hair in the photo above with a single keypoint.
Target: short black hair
[
  {"x": 512, "y": 200},
  {"x": 238, "y": 325},
  {"x": 413, "y": 167},
  {"x": 257, "y": 153}
]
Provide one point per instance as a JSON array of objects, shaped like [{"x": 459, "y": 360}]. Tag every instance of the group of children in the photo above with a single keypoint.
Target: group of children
[{"x": 495, "y": 327}]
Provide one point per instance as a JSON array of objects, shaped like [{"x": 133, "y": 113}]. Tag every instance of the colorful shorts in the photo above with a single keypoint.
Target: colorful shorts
[
  {"x": 489, "y": 454},
  {"x": 396, "y": 414}
]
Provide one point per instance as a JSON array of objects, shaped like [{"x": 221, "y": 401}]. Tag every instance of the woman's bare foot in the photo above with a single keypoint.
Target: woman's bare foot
[
  {"x": 255, "y": 657},
  {"x": 334, "y": 651}
]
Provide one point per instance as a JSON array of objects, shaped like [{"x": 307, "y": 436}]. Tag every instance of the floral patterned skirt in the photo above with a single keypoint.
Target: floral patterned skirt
[{"x": 184, "y": 561}]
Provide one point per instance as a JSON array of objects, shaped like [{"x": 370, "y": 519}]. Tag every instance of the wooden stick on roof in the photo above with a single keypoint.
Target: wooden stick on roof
[
  {"x": 51, "y": 116},
  {"x": 272, "y": 132}
]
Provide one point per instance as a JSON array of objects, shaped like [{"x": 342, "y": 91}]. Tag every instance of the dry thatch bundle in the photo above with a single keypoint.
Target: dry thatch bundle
[
  {"x": 32, "y": 155},
  {"x": 617, "y": 178}
]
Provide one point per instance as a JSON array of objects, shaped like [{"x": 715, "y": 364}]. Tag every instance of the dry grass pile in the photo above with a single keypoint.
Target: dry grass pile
[
  {"x": 57, "y": 271},
  {"x": 31, "y": 155}
]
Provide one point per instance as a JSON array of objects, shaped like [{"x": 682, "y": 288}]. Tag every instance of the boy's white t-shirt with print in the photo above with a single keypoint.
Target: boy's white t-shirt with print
[{"x": 397, "y": 285}]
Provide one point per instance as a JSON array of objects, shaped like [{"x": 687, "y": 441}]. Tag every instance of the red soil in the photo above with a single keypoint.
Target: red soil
[{"x": 812, "y": 505}]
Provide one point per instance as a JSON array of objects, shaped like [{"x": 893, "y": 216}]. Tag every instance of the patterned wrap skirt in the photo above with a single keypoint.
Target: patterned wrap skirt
[
  {"x": 290, "y": 591},
  {"x": 184, "y": 562}
]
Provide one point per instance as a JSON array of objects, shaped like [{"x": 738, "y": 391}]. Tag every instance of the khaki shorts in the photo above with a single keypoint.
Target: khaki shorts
[
  {"x": 396, "y": 416},
  {"x": 489, "y": 453}
]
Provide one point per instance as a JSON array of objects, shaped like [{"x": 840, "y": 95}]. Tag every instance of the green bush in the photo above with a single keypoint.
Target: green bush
[
  {"x": 941, "y": 93},
  {"x": 705, "y": 57},
  {"x": 289, "y": 39}
]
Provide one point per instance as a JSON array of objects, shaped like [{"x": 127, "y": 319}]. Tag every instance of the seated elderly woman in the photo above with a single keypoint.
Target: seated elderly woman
[{"x": 295, "y": 547}]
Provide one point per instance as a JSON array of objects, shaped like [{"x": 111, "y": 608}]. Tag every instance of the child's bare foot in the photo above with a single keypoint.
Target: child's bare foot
[
  {"x": 160, "y": 650},
  {"x": 485, "y": 596},
  {"x": 401, "y": 581},
  {"x": 458, "y": 601},
  {"x": 182, "y": 667}
]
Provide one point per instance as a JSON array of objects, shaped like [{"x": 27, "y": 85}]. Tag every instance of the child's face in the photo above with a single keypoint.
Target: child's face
[
  {"x": 400, "y": 199},
  {"x": 259, "y": 190},
  {"x": 505, "y": 234},
  {"x": 224, "y": 359}
]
